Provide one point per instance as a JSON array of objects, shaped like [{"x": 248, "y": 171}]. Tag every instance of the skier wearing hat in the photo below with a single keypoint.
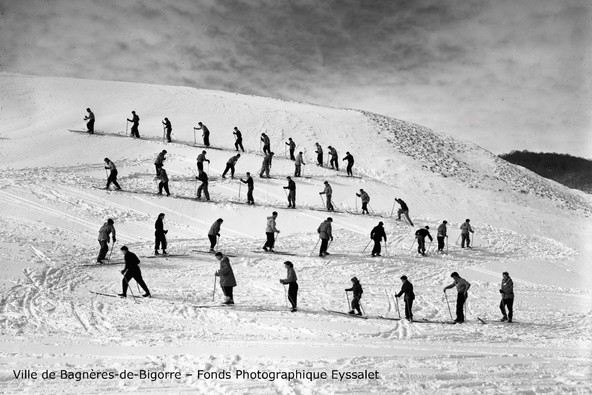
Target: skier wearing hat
[
  {"x": 227, "y": 280},
  {"x": 334, "y": 159},
  {"x": 239, "y": 139},
  {"x": 90, "y": 125},
  {"x": 365, "y": 200},
  {"x": 135, "y": 125},
  {"x": 462, "y": 288},
  {"x": 168, "y": 128},
  {"x": 201, "y": 158},
  {"x": 507, "y": 292},
  {"x": 298, "y": 165},
  {"x": 205, "y": 134},
  {"x": 230, "y": 165},
  {"x": 104, "y": 233},
  {"x": 357, "y": 291},
  {"x": 132, "y": 270},
  {"x": 270, "y": 231},
  {"x": 377, "y": 235},
  {"x": 292, "y": 146},
  {"x": 421, "y": 234}
]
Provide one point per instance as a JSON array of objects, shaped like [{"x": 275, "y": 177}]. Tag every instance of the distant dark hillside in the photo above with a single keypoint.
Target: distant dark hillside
[{"x": 568, "y": 170}]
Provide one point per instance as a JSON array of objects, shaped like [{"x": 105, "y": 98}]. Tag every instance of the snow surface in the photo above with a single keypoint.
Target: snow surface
[{"x": 51, "y": 211}]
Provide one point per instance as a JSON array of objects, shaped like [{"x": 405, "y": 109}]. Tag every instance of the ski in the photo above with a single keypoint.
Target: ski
[
  {"x": 345, "y": 314},
  {"x": 390, "y": 318},
  {"x": 324, "y": 209},
  {"x": 164, "y": 256},
  {"x": 274, "y": 252},
  {"x": 212, "y": 252},
  {"x": 103, "y": 264},
  {"x": 105, "y": 294},
  {"x": 483, "y": 322}
]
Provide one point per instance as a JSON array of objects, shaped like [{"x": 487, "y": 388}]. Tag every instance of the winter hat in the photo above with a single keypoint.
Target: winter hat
[
  {"x": 403, "y": 277},
  {"x": 444, "y": 222},
  {"x": 381, "y": 223},
  {"x": 124, "y": 248},
  {"x": 467, "y": 220},
  {"x": 219, "y": 254},
  {"x": 454, "y": 274},
  {"x": 427, "y": 227},
  {"x": 330, "y": 219},
  {"x": 506, "y": 273},
  {"x": 110, "y": 221},
  {"x": 355, "y": 280}
]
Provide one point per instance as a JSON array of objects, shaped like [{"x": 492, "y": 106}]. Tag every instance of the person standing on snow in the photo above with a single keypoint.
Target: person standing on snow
[
  {"x": 350, "y": 163},
  {"x": 168, "y": 128},
  {"x": 205, "y": 134},
  {"x": 407, "y": 290},
  {"x": 135, "y": 125},
  {"x": 201, "y": 158},
  {"x": 270, "y": 232},
  {"x": 297, "y": 165},
  {"x": 462, "y": 288},
  {"x": 230, "y": 166},
  {"x": 465, "y": 228},
  {"x": 159, "y": 161},
  {"x": 227, "y": 280},
  {"x": 203, "y": 177},
  {"x": 160, "y": 235},
  {"x": 421, "y": 234},
  {"x": 319, "y": 152},
  {"x": 239, "y": 139},
  {"x": 292, "y": 146},
  {"x": 377, "y": 235},
  {"x": 507, "y": 292},
  {"x": 365, "y": 200},
  {"x": 403, "y": 210},
  {"x": 442, "y": 234},
  {"x": 266, "y": 165},
  {"x": 325, "y": 232},
  {"x": 112, "y": 174},
  {"x": 250, "y": 186},
  {"x": 291, "y": 192},
  {"x": 266, "y": 143},
  {"x": 291, "y": 280},
  {"x": 164, "y": 182},
  {"x": 90, "y": 125},
  {"x": 132, "y": 270},
  {"x": 104, "y": 233},
  {"x": 334, "y": 159},
  {"x": 214, "y": 233},
  {"x": 357, "y": 290},
  {"x": 328, "y": 192}
]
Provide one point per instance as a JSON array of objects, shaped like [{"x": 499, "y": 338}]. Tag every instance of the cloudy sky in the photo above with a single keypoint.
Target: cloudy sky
[{"x": 506, "y": 74}]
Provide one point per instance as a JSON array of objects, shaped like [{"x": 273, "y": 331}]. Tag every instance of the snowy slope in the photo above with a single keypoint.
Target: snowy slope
[{"x": 51, "y": 210}]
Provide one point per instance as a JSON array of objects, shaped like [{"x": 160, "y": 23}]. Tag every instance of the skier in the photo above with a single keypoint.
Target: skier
[
  {"x": 227, "y": 280},
  {"x": 112, "y": 175},
  {"x": 462, "y": 287},
  {"x": 205, "y": 134},
  {"x": 230, "y": 165},
  {"x": 168, "y": 128},
  {"x": 249, "y": 181},
  {"x": 319, "y": 152},
  {"x": 292, "y": 146},
  {"x": 160, "y": 235},
  {"x": 158, "y": 162},
  {"x": 291, "y": 192},
  {"x": 239, "y": 139},
  {"x": 421, "y": 234},
  {"x": 266, "y": 143},
  {"x": 135, "y": 124},
  {"x": 104, "y": 232},
  {"x": 214, "y": 233},
  {"x": 164, "y": 182},
  {"x": 90, "y": 125},
  {"x": 441, "y": 236},
  {"x": 377, "y": 235},
  {"x": 132, "y": 270},
  {"x": 334, "y": 160},
  {"x": 298, "y": 163},
  {"x": 407, "y": 289},
  {"x": 357, "y": 291},
  {"x": 270, "y": 232},
  {"x": 365, "y": 200},
  {"x": 325, "y": 234},
  {"x": 291, "y": 280},
  {"x": 350, "y": 163},
  {"x": 465, "y": 228},
  {"x": 328, "y": 192},
  {"x": 266, "y": 165},
  {"x": 201, "y": 158},
  {"x": 203, "y": 177},
  {"x": 507, "y": 291},
  {"x": 403, "y": 210}
]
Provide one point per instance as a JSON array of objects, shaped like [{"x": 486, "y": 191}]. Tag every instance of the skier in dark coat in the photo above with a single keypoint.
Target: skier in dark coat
[
  {"x": 90, "y": 125},
  {"x": 334, "y": 159},
  {"x": 365, "y": 200},
  {"x": 407, "y": 289},
  {"x": 214, "y": 233},
  {"x": 403, "y": 210},
  {"x": 292, "y": 146},
  {"x": 421, "y": 234},
  {"x": 238, "y": 143},
  {"x": 266, "y": 165},
  {"x": 132, "y": 270},
  {"x": 291, "y": 192},
  {"x": 103, "y": 238},
  {"x": 350, "y": 163},
  {"x": 319, "y": 152},
  {"x": 112, "y": 174},
  {"x": 250, "y": 186},
  {"x": 227, "y": 280},
  {"x": 159, "y": 161},
  {"x": 442, "y": 235},
  {"x": 325, "y": 232},
  {"x": 266, "y": 143},
  {"x": 462, "y": 288},
  {"x": 230, "y": 166},
  {"x": 135, "y": 125},
  {"x": 291, "y": 280},
  {"x": 160, "y": 235},
  {"x": 205, "y": 134},
  {"x": 507, "y": 292},
  {"x": 357, "y": 291},
  {"x": 164, "y": 182},
  {"x": 203, "y": 177},
  {"x": 377, "y": 235},
  {"x": 168, "y": 128}
]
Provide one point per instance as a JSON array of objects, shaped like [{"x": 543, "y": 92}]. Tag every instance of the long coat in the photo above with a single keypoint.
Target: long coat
[{"x": 226, "y": 274}]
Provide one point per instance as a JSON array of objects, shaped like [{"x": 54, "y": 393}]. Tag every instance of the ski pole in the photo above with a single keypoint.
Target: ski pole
[
  {"x": 315, "y": 246},
  {"x": 112, "y": 245},
  {"x": 218, "y": 242},
  {"x": 240, "y": 184},
  {"x": 194, "y": 137},
  {"x": 448, "y": 303},
  {"x": 286, "y": 294},
  {"x": 361, "y": 308},
  {"x": 163, "y": 133},
  {"x": 322, "y": 200},
  {"x": 430, "y": 246},
  {"x": 412, "y": 245},
  {"x": 364, "y": 250},
  {"x": 348, "y": 304},
  {"x": 357, "y": 205},
  {"x": 126, "y": 126},
  {"x": 393, "y": 210},
  {"x": 397, "y": 303},
  {"x": 130, "y": 288},
  {"x": 214, "y": 291},
  {"x": 456, "y": 242},
  {"x": 446, "y": 243}
]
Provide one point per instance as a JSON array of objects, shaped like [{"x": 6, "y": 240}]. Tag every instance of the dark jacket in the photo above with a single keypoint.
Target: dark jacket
[
  {"x": 349, "y": 158},
  {"x": 131, "y": 262},
  {"x": 291, "y": 185},
  {"x": 403, "y": 205},
  {"x": 159, "y": 226},
  {"x": 378, "y": 233},
  {"x": 226, "y": 274},
  {"x": 203, "y": 177},
  {"x": 357, "y": 290},
  {"x": 407, "y": 289},
  {"x": 423, "y": 233},
  {"x": 507, "y": 289},
  {"x": 249, "y": 182}
]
